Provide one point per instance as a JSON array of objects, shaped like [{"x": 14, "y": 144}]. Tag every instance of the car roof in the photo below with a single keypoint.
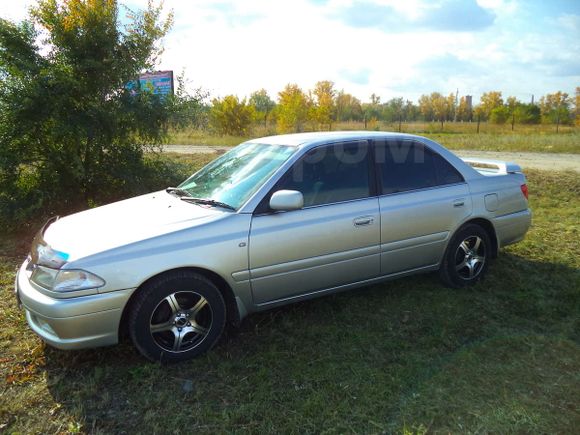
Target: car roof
[{"x": 314, "y": 138}]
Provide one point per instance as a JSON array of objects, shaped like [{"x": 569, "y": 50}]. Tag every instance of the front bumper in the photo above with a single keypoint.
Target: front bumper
[{"x": 71, "y": 323}]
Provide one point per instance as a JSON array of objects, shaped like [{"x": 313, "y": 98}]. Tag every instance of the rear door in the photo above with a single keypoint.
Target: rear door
[
  {"x": 422, "y": 199},
  {"x": 332, "y": 241}
]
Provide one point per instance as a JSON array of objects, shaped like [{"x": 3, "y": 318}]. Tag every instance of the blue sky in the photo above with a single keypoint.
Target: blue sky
[{"x": 391, "y": 48}]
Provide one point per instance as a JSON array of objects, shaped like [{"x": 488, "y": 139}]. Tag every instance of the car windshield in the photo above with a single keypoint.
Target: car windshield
[{"x": 236, "y": 175}]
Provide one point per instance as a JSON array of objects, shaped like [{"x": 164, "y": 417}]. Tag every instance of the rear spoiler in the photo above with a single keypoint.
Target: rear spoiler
[{"x": 493, "y": 166}]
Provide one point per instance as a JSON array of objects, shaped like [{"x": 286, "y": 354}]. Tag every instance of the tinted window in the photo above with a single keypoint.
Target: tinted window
[
  {"x": 446, "y": 173},
  {"x": 330, "y": 174},
  {"x": 407, "y": 165}
]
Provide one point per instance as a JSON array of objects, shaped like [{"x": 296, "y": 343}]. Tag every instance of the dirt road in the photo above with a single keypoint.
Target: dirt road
[{"x": 544, "y": 161}]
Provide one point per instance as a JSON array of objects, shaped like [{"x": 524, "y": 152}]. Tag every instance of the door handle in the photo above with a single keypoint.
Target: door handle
[
  {"x": 458, "y": 203},
  {"x": 365, "y": 220}
]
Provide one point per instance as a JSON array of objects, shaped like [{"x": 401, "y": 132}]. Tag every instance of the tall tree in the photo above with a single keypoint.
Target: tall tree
[
  {"x": 488, "y": 102},
  {"x": 68, "y": 122},
  {"x": 464, "y": 111},
  {"x": 556, "y": 108},
  {"x": 262, "y": 103},
  {"x": 324, "y": 109},
  {"x": 348, "y": 108},
  {"x": 292, "y": 109}
]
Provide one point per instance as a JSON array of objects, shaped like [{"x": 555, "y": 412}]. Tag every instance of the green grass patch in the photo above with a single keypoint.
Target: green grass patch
[{"x": 408, "y": 356}]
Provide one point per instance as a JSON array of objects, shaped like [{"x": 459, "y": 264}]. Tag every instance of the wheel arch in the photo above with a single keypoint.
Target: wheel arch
[{"x": 232, "y": 313}]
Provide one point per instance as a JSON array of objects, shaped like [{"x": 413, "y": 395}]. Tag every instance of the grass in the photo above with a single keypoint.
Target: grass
[
  {"x": 531, "y": 138},
  {"x": 408, "y": 356}
]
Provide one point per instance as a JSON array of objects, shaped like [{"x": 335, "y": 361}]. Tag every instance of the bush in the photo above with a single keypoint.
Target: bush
[{"x": 231, "y": 116}]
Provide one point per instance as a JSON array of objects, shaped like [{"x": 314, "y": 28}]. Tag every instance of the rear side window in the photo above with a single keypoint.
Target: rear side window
[
  {"x": 446, "y": 173},
  {"x": 407, "y": 165},
  {"x": 330, "y": 174}
]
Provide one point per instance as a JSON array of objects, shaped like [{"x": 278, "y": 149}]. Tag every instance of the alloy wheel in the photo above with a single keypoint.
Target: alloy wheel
[
  {"x": 181, "y": 321},
  {"x": 470, "y": 257}
]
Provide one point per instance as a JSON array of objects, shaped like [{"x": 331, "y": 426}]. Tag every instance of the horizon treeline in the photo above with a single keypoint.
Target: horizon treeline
[{"x": 295, "y": 109}]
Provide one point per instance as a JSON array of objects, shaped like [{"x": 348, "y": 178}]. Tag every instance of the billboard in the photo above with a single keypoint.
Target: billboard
[{"x": 157, "y": 82}]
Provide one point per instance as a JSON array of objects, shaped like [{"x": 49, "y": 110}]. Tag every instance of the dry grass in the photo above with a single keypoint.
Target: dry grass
[{"x": 535, "y": 138}]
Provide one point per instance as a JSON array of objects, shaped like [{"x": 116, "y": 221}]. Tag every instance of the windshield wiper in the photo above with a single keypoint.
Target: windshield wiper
[
  {"x": 178, "y": 191},
  {"x": 207, "y": 201}
]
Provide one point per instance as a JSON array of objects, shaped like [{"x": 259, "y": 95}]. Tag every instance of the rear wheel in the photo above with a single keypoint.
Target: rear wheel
[
  {"x": 467, "y": 257},
  {"x": 177, "y": 317}
]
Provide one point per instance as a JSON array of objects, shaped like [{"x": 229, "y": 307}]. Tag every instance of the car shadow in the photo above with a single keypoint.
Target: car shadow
[{"x": 406, "y": 326}]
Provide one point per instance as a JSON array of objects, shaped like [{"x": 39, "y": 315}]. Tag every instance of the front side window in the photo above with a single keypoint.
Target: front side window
[
  {"x": 236, "y": 175},
  {"x": 330, "y": 174},
  {"x": 407, "y": 165}
]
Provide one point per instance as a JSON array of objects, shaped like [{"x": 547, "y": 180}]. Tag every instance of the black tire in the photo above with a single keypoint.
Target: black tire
[
  {"x": 466, "y": 261},
  {"x": 176, "y": 317}
]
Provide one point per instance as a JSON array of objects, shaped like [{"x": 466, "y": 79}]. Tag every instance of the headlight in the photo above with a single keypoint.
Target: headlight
[{"x": 65, "y": 280}]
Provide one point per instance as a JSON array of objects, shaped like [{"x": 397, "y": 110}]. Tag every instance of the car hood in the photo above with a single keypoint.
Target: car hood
[{"x": 125, "y": 222}]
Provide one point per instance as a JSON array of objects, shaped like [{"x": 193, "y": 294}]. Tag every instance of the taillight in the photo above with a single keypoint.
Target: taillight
[{"x": 524, "y": 188}]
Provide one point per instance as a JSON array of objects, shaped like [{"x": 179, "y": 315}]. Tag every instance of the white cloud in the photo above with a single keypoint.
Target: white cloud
[{"x": 237, "y": 47}]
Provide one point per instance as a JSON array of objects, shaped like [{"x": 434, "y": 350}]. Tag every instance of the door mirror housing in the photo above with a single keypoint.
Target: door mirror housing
[{"x": 286, "y": 200}]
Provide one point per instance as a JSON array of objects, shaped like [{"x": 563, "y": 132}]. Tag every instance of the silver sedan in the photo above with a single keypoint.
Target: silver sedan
[{"x": 274, "y": 221}]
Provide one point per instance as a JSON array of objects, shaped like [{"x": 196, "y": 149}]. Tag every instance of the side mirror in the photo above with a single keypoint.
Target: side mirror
[{"x": 285, "y": 200}]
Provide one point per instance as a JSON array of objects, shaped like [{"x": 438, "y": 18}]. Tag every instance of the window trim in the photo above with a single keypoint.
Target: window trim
[
  {"x": 262, "y": 209},
  {"x": 379, "y": 169}
]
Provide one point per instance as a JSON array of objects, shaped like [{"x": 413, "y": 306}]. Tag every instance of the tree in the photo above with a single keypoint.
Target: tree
[
  {"x": 69, "y": 127},
  {"x": 500, "y": 115},
  {"x": 555, "y": 108},
  {"x": 527, "y": 114},
  {"x": 372, "y": 110},
  {"x": 231, "y": 116},
  {"x": 324, "y": 109},
  {"x": 292, "y": 109},
  {"x": 262, "y": 103},
  {"x": 348, "y": 108},
  {"x": 488, "y": 102},
  {"x": 464, "y": 111},
  {"x": 426, "y": 108},
  {"x": 440, "y": 106}
]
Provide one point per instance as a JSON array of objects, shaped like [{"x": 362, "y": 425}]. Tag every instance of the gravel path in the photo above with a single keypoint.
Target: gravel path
[{"x": 545, "y": 161}]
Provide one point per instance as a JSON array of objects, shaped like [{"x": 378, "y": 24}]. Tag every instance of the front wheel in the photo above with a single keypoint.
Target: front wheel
[
  {"x": 467, "y": 257},
  {"x": 177, "y": 317}
]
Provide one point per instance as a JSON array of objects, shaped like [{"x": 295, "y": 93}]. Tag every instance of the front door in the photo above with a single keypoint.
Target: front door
[{"x": 334, "y": 240}]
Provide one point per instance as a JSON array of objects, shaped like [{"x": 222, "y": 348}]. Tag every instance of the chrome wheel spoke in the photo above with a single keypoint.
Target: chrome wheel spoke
[
  {"x": 476, "y": 245},
  {"x": 177, "y": 340},
  {"x": 198, "y": 329},
  {"x": 161, "y": 327},
  {"x": 173, "y": 304},
  {"x": 193, "y": 312},
  {"x": 461, "y": 265},
  {"x": 464, "y": 246},
  {"x": 471, "y": 268}
]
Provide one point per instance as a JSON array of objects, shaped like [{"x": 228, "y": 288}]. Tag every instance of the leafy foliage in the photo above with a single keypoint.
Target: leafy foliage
[
  {"x": 262, "y": 103},
  {"x": 231, "y": 116},
  {"x": 292, "y": 109},
  {"x": 69, "y": 128}
]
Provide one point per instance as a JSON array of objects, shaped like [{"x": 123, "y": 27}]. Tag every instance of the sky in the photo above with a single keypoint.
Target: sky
[{"x": 392, "y": 48}]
